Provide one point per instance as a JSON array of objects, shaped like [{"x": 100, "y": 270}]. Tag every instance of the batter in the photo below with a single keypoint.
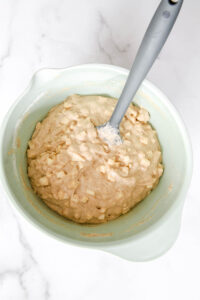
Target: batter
[{"x": 78, "y": 174}]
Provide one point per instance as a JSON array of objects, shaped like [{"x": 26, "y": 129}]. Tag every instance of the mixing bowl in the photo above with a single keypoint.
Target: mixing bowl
[{"x": 152, "y": 226}]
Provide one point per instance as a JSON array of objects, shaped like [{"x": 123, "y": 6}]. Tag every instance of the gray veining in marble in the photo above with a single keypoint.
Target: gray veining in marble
[{"x": 60, "y": 33}]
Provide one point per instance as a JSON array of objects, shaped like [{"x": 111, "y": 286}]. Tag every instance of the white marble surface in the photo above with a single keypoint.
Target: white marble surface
[{"x": 60, "y": 33}]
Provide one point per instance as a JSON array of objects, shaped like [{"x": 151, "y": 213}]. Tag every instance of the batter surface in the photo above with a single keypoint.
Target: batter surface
[{"x": 80, "y": 176}]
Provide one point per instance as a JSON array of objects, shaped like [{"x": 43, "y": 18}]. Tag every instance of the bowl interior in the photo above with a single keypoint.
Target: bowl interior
[{"x": 50, "y": 87}]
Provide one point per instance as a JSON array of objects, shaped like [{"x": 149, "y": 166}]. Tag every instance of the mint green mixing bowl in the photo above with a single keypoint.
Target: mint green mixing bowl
[{"x": 152, "y": 226}]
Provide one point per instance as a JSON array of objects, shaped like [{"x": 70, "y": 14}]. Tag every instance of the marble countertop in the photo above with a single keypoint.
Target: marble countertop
[{"x": 60, "y": 33}]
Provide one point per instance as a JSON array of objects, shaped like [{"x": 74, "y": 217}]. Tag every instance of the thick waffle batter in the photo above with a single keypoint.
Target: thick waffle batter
[{"x": 81, "y": 177}]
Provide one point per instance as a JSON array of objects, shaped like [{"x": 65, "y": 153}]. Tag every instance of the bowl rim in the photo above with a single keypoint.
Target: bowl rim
[{"x": 96, "y": 244}]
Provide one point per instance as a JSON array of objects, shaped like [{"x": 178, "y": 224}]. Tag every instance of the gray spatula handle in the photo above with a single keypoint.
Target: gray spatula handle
[{"x": 154, "y": 39}]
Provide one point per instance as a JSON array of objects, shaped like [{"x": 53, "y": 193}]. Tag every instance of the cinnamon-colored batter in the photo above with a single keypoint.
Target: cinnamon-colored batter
[{"x": 80, "y": 176}]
